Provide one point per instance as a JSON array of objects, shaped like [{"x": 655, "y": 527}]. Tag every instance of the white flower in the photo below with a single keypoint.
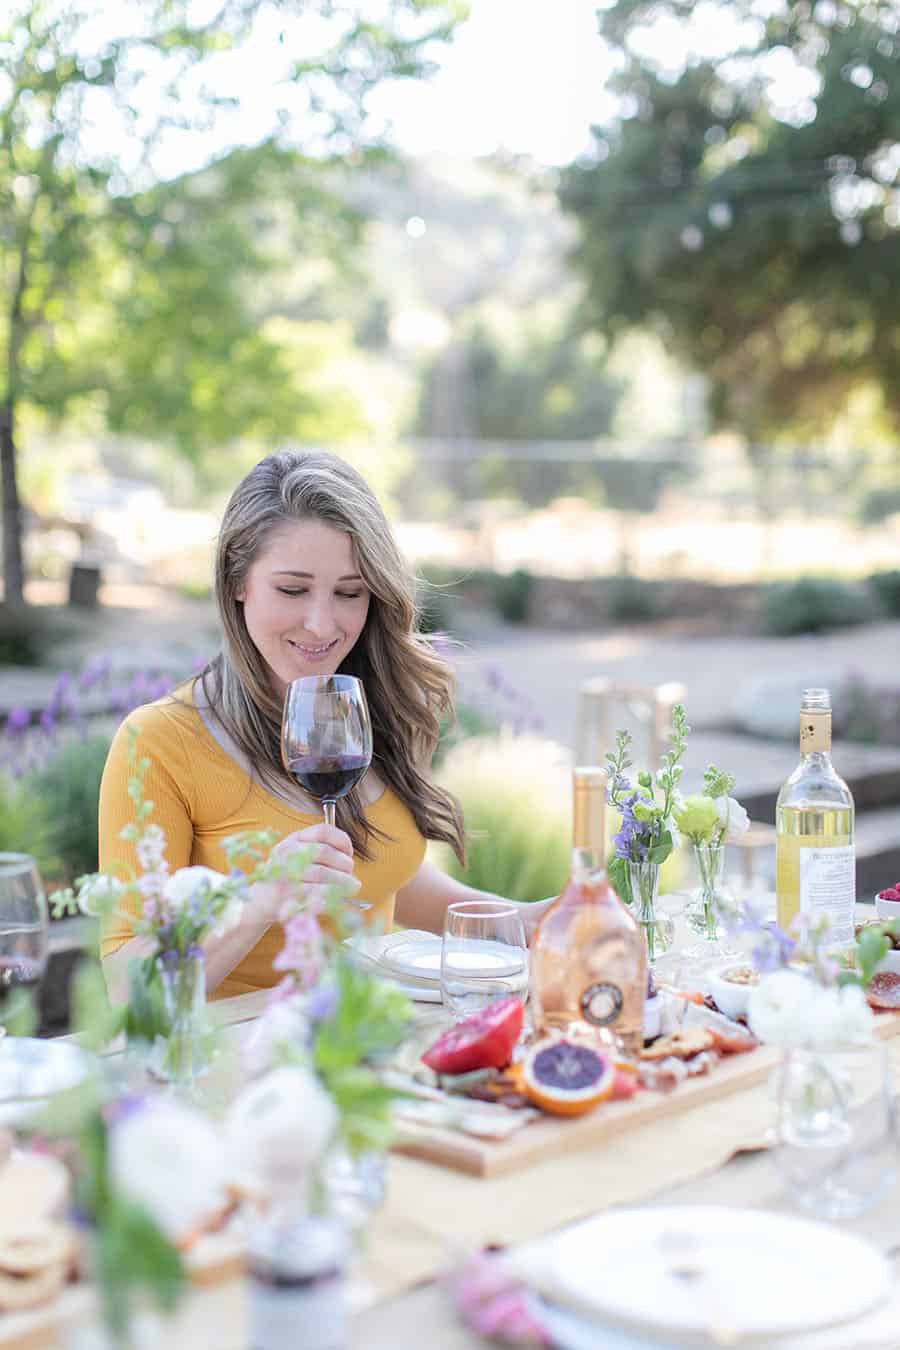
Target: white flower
[
  {"x": 733, "y": 817},
  {"x": 781, "y": 1009},
  {"x": 169, "y": 1159},
  {"x": 230, "y": 917},
  {"x": 278, "y": 1128},
  {"x": 98, "y": 893},
  {"x": 183, "y": 885},
  {"x": 791, "y": 1010},
  {"x": 843, "y": 1017},
  {"x": 283, "y": 1022}
]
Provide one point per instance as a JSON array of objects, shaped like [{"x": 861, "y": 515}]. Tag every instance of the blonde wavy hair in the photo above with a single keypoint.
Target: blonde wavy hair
[{"x": 408, "y": 687}]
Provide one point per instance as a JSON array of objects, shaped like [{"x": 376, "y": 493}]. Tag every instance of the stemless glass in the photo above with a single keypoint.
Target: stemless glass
[
  {"x": 484, "y": 955},
  {"x": 23, "y": 924},
  {"x": 326, "y": 736}
]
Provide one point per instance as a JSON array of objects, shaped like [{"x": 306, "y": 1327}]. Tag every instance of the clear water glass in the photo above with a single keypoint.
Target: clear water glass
[
  {"x": 484, "y": 955},
  {"x": 23, "y": 926},
  {"x": 836, "y": 1131}
]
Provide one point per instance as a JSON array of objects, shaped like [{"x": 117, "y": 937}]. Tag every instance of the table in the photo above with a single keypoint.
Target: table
[{"x": 710, "y": 1154}]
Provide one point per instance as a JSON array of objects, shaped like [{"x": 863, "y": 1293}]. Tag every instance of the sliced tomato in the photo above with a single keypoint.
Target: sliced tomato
[
  {"x": 483, "y": 1041},
  {"x": 883, "y": 991}
]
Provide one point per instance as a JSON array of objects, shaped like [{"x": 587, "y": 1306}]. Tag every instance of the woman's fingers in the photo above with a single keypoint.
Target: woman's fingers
[
  {"x": 316, "y": 875},
  {"x": 334, "y": 850}
]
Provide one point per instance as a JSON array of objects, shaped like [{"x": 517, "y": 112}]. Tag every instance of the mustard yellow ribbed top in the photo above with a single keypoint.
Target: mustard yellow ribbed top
[{"x": 201, "y": 794}]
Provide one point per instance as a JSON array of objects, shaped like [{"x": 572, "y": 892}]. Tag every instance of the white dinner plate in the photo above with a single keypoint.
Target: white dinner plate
[
  {"x": 468, "y": 956},
  {"x": 688, "y": 1274},
  {"x": 31, "y": 1070}
]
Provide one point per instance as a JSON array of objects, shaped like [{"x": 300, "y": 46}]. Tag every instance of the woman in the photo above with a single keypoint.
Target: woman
[{"x": 309, "y": 581}]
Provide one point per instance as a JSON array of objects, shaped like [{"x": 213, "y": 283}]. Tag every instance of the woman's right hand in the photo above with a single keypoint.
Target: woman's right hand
[{"x": 332, "y": 865}]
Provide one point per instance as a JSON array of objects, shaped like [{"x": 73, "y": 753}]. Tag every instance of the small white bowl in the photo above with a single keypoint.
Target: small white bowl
[
  {"x": 730, "y": 998},
  {"x": 887, "y": 909},
  {"x": 890, "y": 961}
]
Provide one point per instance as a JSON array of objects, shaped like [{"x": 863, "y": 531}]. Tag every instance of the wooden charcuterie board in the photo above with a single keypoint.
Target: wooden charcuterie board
[{"x": 551, "y": 1136}]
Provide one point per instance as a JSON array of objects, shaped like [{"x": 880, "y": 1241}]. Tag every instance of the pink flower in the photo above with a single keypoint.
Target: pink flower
[
  {"x": 492, "y": 1303},
  {"x": 302, "y": 953}
]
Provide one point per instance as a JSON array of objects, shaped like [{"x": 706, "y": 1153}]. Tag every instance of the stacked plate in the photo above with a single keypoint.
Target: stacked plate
[{"x": 411, "y": 960}]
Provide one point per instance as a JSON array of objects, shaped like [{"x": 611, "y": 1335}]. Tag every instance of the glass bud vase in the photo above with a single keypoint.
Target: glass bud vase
[
  {"x": 836, "y": 1130},
  {"x": 185, "y": 1054},
  {"x": 709, "y": 905},
  {"x": 658, "y": 932}
]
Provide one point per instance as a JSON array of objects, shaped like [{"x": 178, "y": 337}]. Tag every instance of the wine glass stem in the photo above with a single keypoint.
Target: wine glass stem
[{"x": 328, "y": 808}]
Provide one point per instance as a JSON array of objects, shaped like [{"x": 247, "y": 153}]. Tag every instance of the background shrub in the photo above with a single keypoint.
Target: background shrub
[
  {"x": 511, "y": 594},
  {"x": 69, "y": 788},
  {"x": 28, "y": 633},
  {"x": 24, "y": 824},
  {"x": 515, "y": 792},
  {"x": 632, "y": 600},
  {"x": 813, "y": 604},
  {"x": 885, "y": 586}
]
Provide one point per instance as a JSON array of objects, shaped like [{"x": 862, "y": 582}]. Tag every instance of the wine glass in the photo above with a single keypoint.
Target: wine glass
[
  {"x": 484, "y": 955},
  {"x": 326, "y": 736},
  {"x": 23, "y": 925}
]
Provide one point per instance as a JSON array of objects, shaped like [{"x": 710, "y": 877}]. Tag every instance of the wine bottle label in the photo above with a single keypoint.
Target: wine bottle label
[
  {"x": 601, "y": 1004},
  {"x": 815, "y": 730},
  {"x": 828, "y": 886}
]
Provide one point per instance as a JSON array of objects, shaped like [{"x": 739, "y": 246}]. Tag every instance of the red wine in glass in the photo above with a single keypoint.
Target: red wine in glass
[
  {"x": 329, "y": 777},
  {"x": 326, "y": 736}
]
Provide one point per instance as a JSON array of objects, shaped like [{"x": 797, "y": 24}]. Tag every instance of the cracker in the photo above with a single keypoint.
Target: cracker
[{"x": 681, "y": 1044}]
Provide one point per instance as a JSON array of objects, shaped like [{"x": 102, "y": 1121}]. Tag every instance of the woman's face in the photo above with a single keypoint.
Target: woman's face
[{"x": 305, "y": 603}]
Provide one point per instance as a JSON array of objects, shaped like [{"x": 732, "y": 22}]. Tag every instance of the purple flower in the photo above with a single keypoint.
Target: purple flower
[
  {"x": 321, "y": 1002},
  {"x": 48, "y": 720},
  {"x": 19, "y": 718}
]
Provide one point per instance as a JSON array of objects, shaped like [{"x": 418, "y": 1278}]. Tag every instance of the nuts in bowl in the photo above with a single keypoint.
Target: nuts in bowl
[{"x": 730, "y": 987}]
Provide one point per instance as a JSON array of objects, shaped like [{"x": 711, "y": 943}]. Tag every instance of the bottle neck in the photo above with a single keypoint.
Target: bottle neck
[
  {"x": 588, "y": 864},
  {"x": 815, "y": 735}
]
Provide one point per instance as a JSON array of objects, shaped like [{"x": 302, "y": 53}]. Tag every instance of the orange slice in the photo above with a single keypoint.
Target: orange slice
[{"x": 567, "y": 1078}]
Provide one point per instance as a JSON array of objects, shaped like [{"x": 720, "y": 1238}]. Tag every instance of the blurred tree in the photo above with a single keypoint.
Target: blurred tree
[
  {"x": 95, "y": 104},
  {"x": 745, "y": 202}
]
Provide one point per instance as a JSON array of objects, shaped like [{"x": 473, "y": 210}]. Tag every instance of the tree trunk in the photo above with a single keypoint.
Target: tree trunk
[{"x": 13, "y": 567}]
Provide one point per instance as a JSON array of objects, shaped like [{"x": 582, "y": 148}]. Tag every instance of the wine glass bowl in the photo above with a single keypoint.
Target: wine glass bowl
[
  {"x": 326, "y": 736},
  {"x": 23, "y": 924}
]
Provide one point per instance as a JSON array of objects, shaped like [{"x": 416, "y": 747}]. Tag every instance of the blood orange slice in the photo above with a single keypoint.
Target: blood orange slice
[
  {"x": 567, "y": 1078},
  {"x": 883, "y": 991}
]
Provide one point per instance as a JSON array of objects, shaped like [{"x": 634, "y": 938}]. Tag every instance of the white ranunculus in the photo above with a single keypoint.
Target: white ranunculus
[
  {"x": 843, "y": 1017},
  {"x": 230, "y": 917},
  {"x": 98, "y": 893},
  {"x": 781, "y": 1009},
  {"x": 733, "y": 817},
  {"x": 790, "y": 1009},
  {"x": 169, "y": 1159},
  {"x": 278, "y": 1128},
  {"x": 183, "y": 885},
  {"x": 283, "y": 1023}
]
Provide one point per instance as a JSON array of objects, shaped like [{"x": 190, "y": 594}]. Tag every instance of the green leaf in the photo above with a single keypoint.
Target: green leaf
[{"x": 620, "y": 877}]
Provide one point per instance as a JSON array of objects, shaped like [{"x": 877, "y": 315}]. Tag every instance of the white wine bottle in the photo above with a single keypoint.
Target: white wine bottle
[{"x": 815, "y": 858}]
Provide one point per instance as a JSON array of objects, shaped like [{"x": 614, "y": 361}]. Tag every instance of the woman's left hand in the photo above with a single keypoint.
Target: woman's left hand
[{"x": 533, "y": 913}]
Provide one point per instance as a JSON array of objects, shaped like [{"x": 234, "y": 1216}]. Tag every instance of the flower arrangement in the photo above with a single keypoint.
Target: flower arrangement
[
  {"x": 709, "y": 820},
  {"x": 647, "y": 833}
]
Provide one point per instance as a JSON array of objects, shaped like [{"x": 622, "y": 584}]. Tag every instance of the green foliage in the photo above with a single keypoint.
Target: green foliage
[
  {"x": 878, "y": 503},
  {"x": 27, "y": 635},
  {"x": 25, "y": 825},
  {"x": 68, "y": 790},
  {"x": 141, "y": 298},
  {"x": 369, "y": 1020},
  {"x": 511, "y": 593},
  {"x": 759, "y": 239},
  {"x": 813, "y": 605},
  {"x": 515, "y": 793},
  {"x": 885, "y": 586},
  {"x": 632, "y": 600}
]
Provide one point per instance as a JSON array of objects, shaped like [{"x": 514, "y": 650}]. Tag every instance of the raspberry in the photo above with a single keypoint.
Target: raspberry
[{"x": 892, "y": 893}]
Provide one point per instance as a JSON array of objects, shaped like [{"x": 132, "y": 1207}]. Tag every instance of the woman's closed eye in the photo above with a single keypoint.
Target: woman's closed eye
[{"x": 341, "y": 595}]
